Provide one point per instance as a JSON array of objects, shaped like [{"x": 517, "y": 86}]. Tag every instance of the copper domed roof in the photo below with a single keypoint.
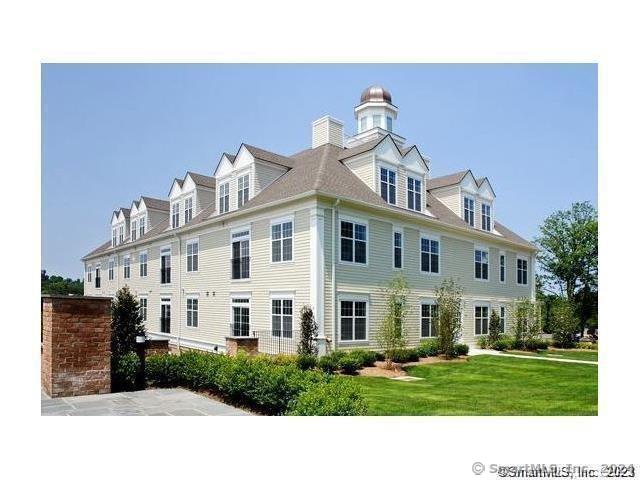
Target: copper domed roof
[{"x": 375, "y": 93}]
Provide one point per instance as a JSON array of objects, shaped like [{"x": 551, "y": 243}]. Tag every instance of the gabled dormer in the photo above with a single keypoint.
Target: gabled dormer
[
  {"x": 189, "y": 196},
  {"x": 471, "y": 198},
  {"x": 398, "y": 176},
  {"x": 120, "y": 226},
  {"x": 241, "y": 177}
]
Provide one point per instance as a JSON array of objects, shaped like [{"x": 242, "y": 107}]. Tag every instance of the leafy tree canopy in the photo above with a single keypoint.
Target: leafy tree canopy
[{"x": 56, "y": 285}]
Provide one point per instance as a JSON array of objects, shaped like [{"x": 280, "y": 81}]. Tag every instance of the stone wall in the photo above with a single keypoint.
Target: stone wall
[
  {"x": 246, "y": 344},
  {"x": 76, "y": 345},
  {"x": 156, "y": 347}
]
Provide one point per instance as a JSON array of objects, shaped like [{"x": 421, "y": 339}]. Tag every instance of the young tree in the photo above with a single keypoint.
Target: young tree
[
  {"x": 449, "y": 299},
  {"x": 526, "y": 321},
  {"x": 568, "y": 255},
  {"x": 126, "y": 323},
  {"x": 494, "y": 328},
  {"x": 390, "y": 335},
  {"x": 564, "y": 322},
  {"x": 308, "y": 332}
]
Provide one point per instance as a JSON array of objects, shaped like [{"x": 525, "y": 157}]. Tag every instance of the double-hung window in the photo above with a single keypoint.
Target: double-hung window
[
  {"x": 243, "y": 190},
  {"x": 98, "y": 276},
  {"x": 134, "y": 230},
  {"x": 142, "y": 307},
  {"x": 522, "y": 271},
  {"x": 414, "y": 194},
  {"x": 165, "y": 315},
  {"x": 429, "y": 255},
  {"x": 240, "y": 251},
  {"x": 114, "y": 237},
  {"x": 282, "y": 241},
  {"x": 503, "y": 268},
  {"x": 223, "y": 206},
  {"x": 481, "y": 264},
  {"x": 482, "y": 319},
  {"x": 282, "y": 317},
  {"x": 397, "y": 249},
  {"x": 470, "y": 211},
  {"x": 192, "y": 255},
  {"x": 143, "y": 224},
  {"x": 89, "y": 274},
  {"x": 126, "y": 264},
  {"x": 121, "y": 234},
  {"x": 175, "y": 215},
  {"x": 429, "y": 320},
  {"x": 503, "y": 319},
  {"x": 111, "y": 265},
  {"x": 142, "y": 260},
  {"x": 486, "y": 217},
  {"x": 240, "y": 317},
  {"x": 388, "y": 185},
  {"x": 165, "y": 265},
  {"x": 353, "y": 320},
  {"x": 188, "y": 209},
  {"x": 353, "y": 242},
  {"x": 192, "y": 312}
]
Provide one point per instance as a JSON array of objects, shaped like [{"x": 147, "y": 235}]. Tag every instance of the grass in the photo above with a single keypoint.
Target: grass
[
  {"x": 590, "y": 355},
  {"x": 487, "y": 385}
]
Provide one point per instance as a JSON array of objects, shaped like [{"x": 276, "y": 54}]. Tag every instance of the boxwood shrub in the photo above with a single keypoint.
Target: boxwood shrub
[
  {"x": 503, "y": 343},
  {"x": 428, "y": 348},
  {"x": 125, "y": 370},
  {"x": 405, "y": 355},
  {"x": 460, "y": 349},
  {"x": 339, "y": 397}
]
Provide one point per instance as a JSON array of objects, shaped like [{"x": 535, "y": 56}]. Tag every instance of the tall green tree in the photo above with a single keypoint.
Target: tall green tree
[
  {"x": 56, "y": 285},
  {"x": 390, "y": 335},
  {"x": 568, "y": 254},
  {"x": 126, "y": 323},
  {"x": 449, "y": 300}
]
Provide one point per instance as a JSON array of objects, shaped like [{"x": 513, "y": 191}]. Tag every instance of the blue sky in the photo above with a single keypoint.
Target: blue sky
[{"x": 113, "y": 132}]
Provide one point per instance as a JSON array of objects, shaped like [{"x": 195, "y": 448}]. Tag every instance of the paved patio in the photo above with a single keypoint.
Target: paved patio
[{"x": 169, "y": 401}]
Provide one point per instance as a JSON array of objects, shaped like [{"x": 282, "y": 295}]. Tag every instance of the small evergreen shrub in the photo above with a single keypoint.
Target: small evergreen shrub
[
  {"x": 587, "y": 346},
  {"x": 405, "y": 355},
  {"x": 306, "y": 362},
  {"x": 349, "y": 364},
  {"x": 339, "y": 397},
  {"x": 460, "y": 349},
  {"x": 367, "y": 358},
  {"x": 329, "y": 363},
  {"x": 535, "y": 344},
  {"x": 503, "y": 343},
  {"x": 428, "y": 348},
  {"x": 126, "y": 369},
  {"x": 483, "y": 342}
]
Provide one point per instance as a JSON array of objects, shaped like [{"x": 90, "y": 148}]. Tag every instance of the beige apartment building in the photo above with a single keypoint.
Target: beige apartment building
[{"x": 238, "y": 253}]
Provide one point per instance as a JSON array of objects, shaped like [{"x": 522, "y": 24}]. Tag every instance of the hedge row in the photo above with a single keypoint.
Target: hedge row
[
  {"x": 271, "y": 385},
  {"x": 506, "y": 342}
]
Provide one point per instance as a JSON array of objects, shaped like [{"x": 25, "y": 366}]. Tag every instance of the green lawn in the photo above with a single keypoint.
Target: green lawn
[
  {"x": 487, "y": 385},
  {"x": 591, "y": 355}
]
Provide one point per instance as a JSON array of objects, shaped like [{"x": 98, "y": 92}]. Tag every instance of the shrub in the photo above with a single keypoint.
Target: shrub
[
  {"x": 503, "y": 343},
  {"x": 449, "y": 299},
  {"x": 339, "y": 397},
  {"x": 460, "y": 349},
  {"x": 535, "y": 344},
  {"x": 258, "y": 382},
  {"x": 564, "y": 323},
  {"x": 308, "y": 333},
  {"x": 281, "y": 359},
  {"x": 306, "y": 362},
  {"x": 390, "y": 335},
  {"x": 126, "y": 323},
  {"x": 367, "y": 358},
  {"x": 494, "y": 328},
  {"x": 330, "y": 363},
  {"x": 428, "y": 348},
  {"x": 587, "y": 346},
  {"x": 405, "y": 355},
  {"x": 125, "y": 370},
  {"x": 483, "y": 342},
  {"x": 349, "y": 364}
]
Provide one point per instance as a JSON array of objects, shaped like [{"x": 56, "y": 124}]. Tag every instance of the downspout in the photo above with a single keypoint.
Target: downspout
[{"x": 333, "y": 273}]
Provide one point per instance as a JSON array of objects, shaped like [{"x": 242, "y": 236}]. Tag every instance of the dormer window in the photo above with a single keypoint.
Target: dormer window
[
  {"x": 143, "y": 221},
  {"x": 377, "y": 121},
  {"x": 175, "y": 215},
  {"x": 486, "y": 217},
  {"x": 243, "y": 190},
  {"x": 224, "y": 198},
  {"x": 414, "y": 194},
  {"x": 388, "y": 185},
  {"x": 121, "y": 234},
  {"x": 188, "y": 209},
  {"x": 469, "y": 211},
  {"x": 114, "y": 237},
  {"x": 134, "y": 230}
]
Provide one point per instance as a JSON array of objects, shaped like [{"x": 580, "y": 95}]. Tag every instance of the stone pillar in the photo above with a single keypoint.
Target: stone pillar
[
  {"x": 76, "y": 345},
  {"x": 247, "y": 344}
]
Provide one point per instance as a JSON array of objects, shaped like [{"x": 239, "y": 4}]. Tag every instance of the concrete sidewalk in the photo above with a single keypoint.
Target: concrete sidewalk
[
  {"x": 478, "y": 351},
  {"x": 169, "y": 401}
]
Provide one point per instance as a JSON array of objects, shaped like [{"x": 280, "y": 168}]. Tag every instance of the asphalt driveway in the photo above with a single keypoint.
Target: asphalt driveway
[{"x": 169, "y": 401}]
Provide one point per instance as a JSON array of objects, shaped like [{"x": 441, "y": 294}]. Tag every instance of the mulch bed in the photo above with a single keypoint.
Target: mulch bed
[{"x": 398, "y": 369}]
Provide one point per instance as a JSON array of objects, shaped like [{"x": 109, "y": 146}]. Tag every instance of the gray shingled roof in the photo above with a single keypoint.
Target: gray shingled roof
[
  {"x": 156, "y": 203},
  {"x": 203, "y": 180},
  {"x": 321, "y": 170}
]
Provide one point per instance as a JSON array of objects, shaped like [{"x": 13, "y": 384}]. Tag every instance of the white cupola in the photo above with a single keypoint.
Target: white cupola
[{"x": 375, "y": 116}]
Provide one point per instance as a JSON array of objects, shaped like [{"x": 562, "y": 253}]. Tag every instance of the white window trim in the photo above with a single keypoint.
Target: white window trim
[
  {"x": 422, "y": 183},
  {"x": 353, "y": 298},
  {"x": 280, "y": 220},
  {"x": 191, "y": 296},
  {"x": 165, "y": 300},
  {"x": 145, "y": 297},
  {"x": 354, "y": 220},
  {"x": 191, "y": 197},
  {"x": 482, "y": 248},
  {"x": 481, "y": 304},
  {"x": 395, "y": 230},
  {"x": 221, "y": 186},
  {"x": 425, "y": 301},
  {"x": 232, "y": 231},
  {"x": 429, "y": 236},
  {"x": 473, "y": 199},
  {"x": 528, "y": 260},
  {"x": 143, "y": 252},
  {"x": 244, "y": 173},
  {"x": 173, "y": 204},
  {"x": 191, "y": 241},
  {"x": 232, "y": 303},
  {"x": 166, "y": 250},
  {"x": 502, "y": 254},
  {"x": 389, "y": 168},
  {"x": 490, "y": 216},
  {"x": 500, "y": 307},
  {"x": 282, "y": 296},
  {"x": 125, "y": 259}
]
